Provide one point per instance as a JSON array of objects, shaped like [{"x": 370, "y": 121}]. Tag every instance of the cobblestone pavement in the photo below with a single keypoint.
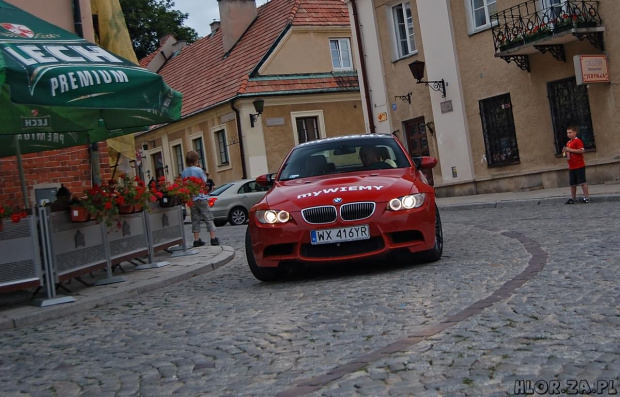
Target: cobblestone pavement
[{"x": 333, "y": 332}]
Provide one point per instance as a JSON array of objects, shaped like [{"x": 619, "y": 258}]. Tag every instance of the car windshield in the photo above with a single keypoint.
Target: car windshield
[
  {"x": 336, "y": 156},
  {"x": 220, "y": 189}
]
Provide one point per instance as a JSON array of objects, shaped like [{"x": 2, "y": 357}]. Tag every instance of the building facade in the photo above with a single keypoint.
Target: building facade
[
  {"x": 511, "y": 87},
  {"x": 264, "y": 80}
]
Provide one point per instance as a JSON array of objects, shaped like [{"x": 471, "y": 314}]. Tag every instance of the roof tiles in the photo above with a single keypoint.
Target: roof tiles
[{"x": 207, "y": 76}]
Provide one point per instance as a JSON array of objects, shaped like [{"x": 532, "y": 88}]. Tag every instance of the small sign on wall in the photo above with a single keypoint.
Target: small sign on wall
[
  {"x": 227, "y": 117},
  {"x": 591, "y": 69},
  {"x": 446, "y": 106},
  {"x": 382, "y": 116},
  {"x": 273, "y": 121}
]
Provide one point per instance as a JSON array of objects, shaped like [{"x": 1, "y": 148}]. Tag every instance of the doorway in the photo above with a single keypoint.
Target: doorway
[{"x": 417, "y": 142}]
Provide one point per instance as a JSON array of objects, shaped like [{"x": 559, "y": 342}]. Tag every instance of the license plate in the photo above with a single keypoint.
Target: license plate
[{"x": 338, "y": 235}]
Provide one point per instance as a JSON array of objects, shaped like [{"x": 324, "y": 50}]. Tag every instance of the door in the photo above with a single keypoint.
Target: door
[{"x": 417, "y": 142}]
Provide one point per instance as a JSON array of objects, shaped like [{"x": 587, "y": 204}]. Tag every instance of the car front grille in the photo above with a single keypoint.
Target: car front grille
[
  {"x": 318, "y": 215},
  {"x": 342, "y": 249},
  {"x": 356, "y": 211}
]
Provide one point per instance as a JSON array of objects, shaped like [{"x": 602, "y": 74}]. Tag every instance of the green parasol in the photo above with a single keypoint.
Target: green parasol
[{"x": 52, "y": 81}]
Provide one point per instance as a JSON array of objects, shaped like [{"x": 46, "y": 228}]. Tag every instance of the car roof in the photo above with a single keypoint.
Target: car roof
[{"x": 345, "y": 138}]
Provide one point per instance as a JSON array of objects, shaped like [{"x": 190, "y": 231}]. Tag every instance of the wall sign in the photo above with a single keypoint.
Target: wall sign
[
  {"x": 591, "y": 69},
  {"x": 273, "y": 121},
  {"x": 446, "y": 106},
  {"x": 382, "y": 116}
]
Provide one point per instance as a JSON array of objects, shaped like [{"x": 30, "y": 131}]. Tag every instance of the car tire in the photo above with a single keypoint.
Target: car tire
[
  {"x": 238, "y": 216},
  {"x": 262, "y": 274},
  {"x": 434, "y": 254},
  {"x": 220, "y": 223}
]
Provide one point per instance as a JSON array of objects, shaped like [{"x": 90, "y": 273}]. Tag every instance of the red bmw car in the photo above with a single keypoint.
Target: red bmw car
[{"x": 344, "y": 199}]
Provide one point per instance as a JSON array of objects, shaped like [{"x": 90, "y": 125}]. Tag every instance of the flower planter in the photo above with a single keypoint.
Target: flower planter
[
  {"x": 79, "y": 214},
  {"x": 138, "y": 208},
  {"x": 1, "y": 224},
  {"x": 587, "y": 24},
  {"x": 167, "y": 201},
  {"x": 562, "y": 27},
  {"x": 537, "y": 36},
  {"x": 125, "y": 209}
]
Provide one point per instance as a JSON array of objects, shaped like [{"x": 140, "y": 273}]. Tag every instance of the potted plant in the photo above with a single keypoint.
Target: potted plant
[
  {"x": 132, "y": 194},
  {"x": 100, "y": 202},
  {"x": 12, "y": 213},
  {"x": 181, "y": 190}
]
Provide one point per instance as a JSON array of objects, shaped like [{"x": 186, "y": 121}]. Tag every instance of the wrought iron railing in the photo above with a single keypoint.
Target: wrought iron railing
[{"x": 528, "y": 22}]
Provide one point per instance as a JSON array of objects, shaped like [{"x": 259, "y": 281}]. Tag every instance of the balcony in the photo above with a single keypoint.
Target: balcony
[{"x": 526, "y": 29}]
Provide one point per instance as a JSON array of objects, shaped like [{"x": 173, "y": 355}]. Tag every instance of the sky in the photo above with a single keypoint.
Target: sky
[{"x": 202, "y": 13}]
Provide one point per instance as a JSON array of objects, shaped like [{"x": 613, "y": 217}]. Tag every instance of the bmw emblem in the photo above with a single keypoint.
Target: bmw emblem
[{"x": 337, "y": 200}]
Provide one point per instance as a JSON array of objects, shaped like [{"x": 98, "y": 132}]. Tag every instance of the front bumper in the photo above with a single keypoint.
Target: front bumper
[{"x": 411, "y": 230}]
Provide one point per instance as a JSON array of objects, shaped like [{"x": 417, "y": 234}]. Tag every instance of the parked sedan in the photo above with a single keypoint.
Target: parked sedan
[
  {"x": 344, "y": 199},
  {"x": 232, "y": 201}
]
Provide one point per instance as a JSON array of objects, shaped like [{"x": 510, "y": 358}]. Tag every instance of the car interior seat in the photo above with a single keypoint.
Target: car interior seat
[
  {"x": 316, "y": 165},
  {"x": 384, "y": 155}
]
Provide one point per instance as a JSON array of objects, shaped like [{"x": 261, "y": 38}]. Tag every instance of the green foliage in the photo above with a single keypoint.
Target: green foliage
[{"x": 148, "y": 21}]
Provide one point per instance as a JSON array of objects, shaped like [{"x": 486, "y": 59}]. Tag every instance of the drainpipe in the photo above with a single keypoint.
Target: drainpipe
[
  {"x": 77, "y": 18},
  {"x": 371, "y": 122},
  {"x": 240, "y": 138},
  {"x": 94, "y": 148}
]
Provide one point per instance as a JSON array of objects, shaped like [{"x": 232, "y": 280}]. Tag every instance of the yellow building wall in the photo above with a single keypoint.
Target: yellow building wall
[
  {"x": 485, "y": 76},
  {"x": 305, "y": 50},
  {"x": 341, "y": 118}
]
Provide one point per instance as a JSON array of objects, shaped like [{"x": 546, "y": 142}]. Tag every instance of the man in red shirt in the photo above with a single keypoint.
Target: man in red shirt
[{"x": 573, "y": 151}]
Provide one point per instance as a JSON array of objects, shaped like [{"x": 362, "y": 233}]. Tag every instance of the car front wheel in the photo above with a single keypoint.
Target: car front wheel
[
  {"x": 434, "y": 254},
  {"x": 238, "y": 216},
  {"x": 261, "y": 273}
]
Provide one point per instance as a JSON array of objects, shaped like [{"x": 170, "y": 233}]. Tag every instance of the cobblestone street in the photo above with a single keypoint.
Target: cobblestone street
[{"x": 372, "y": 330}]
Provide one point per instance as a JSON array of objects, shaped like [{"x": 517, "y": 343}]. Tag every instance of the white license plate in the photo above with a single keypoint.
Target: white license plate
[{"x": 338, "y": 235}]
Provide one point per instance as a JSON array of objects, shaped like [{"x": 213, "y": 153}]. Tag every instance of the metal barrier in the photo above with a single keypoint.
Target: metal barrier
[
  {"x": 63, "y": 249},
  {"x": 20, "y": 262},
  {"x": 77, "y": 248}
]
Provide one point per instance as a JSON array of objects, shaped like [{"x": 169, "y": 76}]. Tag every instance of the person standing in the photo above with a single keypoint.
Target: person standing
[
  {"x": 200, "y": 209},
  {"x": 210, "y": 183},
  {"x": 573, "y": 151}
]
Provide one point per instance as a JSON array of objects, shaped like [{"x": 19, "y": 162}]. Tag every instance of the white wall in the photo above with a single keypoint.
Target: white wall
[
  {"x": 374, "y": 68},
  {"x": 441, "y": 62}
]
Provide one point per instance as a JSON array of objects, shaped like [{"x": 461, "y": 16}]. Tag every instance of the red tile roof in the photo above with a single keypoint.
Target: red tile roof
[
  {"x": 208, "y": 77},
  {"x": 144, "y": 62}
]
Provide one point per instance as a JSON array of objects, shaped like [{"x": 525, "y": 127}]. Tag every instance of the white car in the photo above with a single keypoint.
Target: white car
[{"x": 232, "y": 201}]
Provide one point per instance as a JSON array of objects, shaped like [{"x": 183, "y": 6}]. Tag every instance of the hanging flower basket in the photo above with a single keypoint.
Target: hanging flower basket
[
  {"x": 79, "y": 214},
  {"x": 125, "y": 209},
  {"x": 167, "y": 201}
]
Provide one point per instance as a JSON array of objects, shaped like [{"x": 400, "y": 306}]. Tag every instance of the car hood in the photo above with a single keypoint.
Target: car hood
[{"x": 310, "y": 192}]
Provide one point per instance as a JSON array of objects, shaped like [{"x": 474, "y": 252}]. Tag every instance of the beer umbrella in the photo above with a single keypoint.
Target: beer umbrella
[
  {"x": 59, "y": 90},
  {"x": 52, "y": 81}
]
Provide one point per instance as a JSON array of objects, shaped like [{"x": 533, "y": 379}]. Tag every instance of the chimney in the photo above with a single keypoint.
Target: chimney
[
  {"x": 215, "y": 25},
  {"x": 235, "y": 16}
]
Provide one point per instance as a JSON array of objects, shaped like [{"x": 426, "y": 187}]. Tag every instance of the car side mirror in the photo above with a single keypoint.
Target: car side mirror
[
  {"x": 266, "y": 180},
  {"x": 424, "y": 162}
]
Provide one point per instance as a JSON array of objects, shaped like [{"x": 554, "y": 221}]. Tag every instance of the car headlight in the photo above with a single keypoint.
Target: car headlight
[
  {"x": 272, "y": 216},
  {"x": 407, "y": 202}
]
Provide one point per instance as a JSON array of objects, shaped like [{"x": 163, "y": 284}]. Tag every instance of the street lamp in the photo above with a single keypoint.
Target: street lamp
[
  {"x": 258, "y": 106},
  {"x": 417, "y": 70}
]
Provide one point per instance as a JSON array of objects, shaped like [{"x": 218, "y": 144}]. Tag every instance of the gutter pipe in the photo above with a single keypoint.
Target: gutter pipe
[
  {"x": 240, "y": 138},
  {"x": 371, "y": 122}
]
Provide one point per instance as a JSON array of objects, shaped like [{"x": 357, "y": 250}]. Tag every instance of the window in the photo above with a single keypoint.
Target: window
[
  {"x": 570, "y": 106},
  {"x": 341, "y": 54},
  {"x": 307, "y": 129},
  {"x": 198, "y": 148},
  {"x": 498, "y": 127},
  {"x": 481, "y": 11},
  {"x": 178, "y": 159},
  {"x": 222, "y": 147},
  {"x": 403, "y": 29}
]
